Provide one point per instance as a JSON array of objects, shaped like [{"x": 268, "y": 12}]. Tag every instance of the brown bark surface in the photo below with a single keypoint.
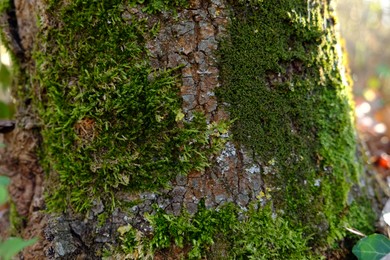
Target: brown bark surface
[{"x": 19, "y": 159}]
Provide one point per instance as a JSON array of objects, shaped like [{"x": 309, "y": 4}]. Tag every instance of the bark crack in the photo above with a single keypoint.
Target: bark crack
[{"x": 15, "y": 40}]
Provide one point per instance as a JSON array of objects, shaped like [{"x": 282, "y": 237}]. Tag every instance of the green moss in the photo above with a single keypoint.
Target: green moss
[
  {"x": 282, "y": 81},
  {"x": 16, "y": 221},
  {"x": 361, "y": 217},
  {"x": 4, "y": 5},
  {"x": 228, "y": 232},
  {"x": 102, "y": 218},
  {"x": 156, "y": 6},
  {"x": 111, "y": 121}
]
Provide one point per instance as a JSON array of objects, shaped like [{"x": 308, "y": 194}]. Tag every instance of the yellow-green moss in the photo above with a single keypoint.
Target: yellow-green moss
[
  {"x": 4, "y": 5},
  {"x": 156, "y": 6},
  {"x": 283, "y": 82},
  {"x": 229, "y": 233},
  {"x": 233, "y": 233},
  {"x": 16, "y": 221},
  {"x": 111, "y": 122},
  {"x": 361, "y": 217}
]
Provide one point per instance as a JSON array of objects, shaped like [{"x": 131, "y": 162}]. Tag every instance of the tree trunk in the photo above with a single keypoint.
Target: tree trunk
[{"x": 202, "y": 129}]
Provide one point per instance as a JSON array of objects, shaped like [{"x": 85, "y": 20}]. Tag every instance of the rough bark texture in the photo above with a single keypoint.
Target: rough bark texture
[
  {"x": 19, "y": 159},
  {"x": 189, "y": 39}
]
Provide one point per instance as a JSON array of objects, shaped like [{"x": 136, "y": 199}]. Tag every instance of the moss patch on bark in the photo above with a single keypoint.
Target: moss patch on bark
[
  {"x": 284, "y": 84},
  {"x": 227, "y": 233},
  {"x": 111, "y": 122}
]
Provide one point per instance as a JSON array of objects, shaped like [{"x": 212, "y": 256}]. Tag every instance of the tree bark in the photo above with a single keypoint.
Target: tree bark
[{"x": 294, "y": 153}]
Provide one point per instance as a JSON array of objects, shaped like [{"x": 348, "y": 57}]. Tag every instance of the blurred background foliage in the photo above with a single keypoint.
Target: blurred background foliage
[
  {"x": 6, "y": 104},
  {"x": 365, "y": 27}
]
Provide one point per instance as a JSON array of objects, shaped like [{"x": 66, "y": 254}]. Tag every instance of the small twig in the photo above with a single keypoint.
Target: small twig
[{"x": 356, "y": 232}]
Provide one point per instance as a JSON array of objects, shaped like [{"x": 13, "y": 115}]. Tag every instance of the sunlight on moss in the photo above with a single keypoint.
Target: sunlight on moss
[
  {"x": 227, "y": 233},
  {"x": 111, "y": 121}
]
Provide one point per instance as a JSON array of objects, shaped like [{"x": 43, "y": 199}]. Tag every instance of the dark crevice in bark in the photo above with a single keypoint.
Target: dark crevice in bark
[
  {"x": 79, "y": 240},
  {"x": 15, "y": 38}
]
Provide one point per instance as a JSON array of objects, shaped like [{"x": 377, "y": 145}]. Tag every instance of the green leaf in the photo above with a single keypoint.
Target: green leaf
[
  {"x": 5, "y": 77},
  {"x": 3, "y": 194},
  {"x": 4, "y": 180},
  {"x": 14, "y": 245},
  {"x": 373, "y": 247},
  {"x": 4, "y": 110}
]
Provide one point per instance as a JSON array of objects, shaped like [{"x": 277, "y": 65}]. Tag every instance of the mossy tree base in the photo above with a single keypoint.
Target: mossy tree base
[{"x": 171, "y": 127}]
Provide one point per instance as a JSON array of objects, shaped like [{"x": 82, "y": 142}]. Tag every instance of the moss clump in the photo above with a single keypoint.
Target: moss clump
[
  {"x": 156, "y": 6},
  {"x": 361, "y": 217},
  {"x": 111, "y": 121},
  {"x": 281, "y": 78},
  {"x": 228, "y": 233},
  {"x": 4, "y": 5},
  {"x": 16, "y": 221}
]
